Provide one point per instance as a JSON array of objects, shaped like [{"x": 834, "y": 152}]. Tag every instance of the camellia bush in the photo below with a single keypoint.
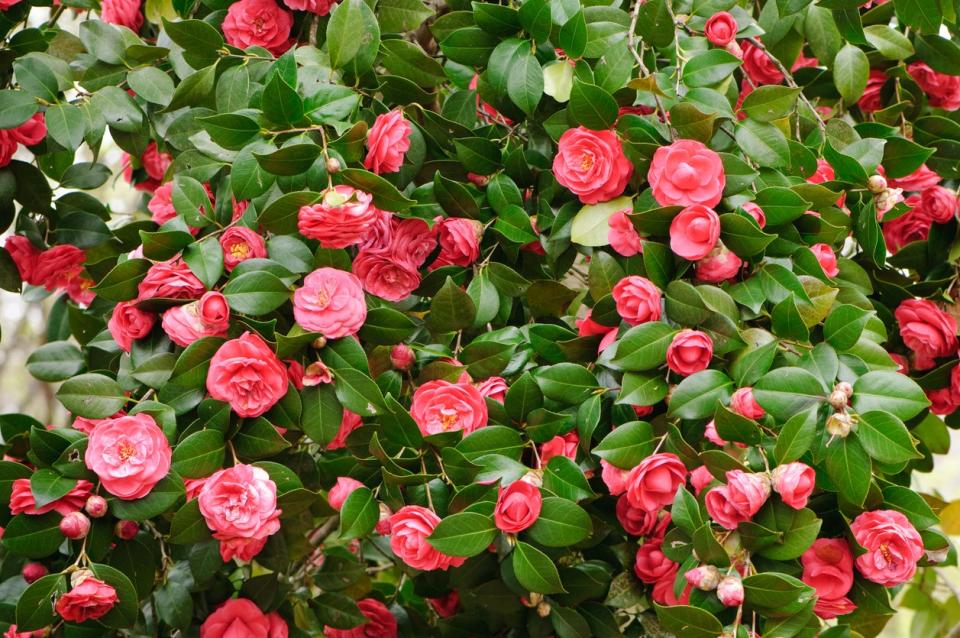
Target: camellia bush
[{"x": 474, "y": 319}]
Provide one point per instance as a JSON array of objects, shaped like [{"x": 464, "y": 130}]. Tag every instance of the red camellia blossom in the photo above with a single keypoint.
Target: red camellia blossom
[
  {"x": 260, "y": 23},
  {"x": 919, "y": 180},
  {"x": 128, "y": 323},
  {"x": 459, "y": 240},
  {"x": 942, "y": 90},
  {"x": 207, "y": 317},
  {"x": 24, "y": 255},
  {"x": 380, "y": 622},
  {"x": 349, "y": 422},
  {"x": 129, "y": 455},
  {"x": 636, "y": 521},
  {"x": 493, "y": 388},
  {"x": 738, "y": 500},
  {"x": 719, "y": 265},
  {"x": 341, "y": 490},
  {"x": 623, "y": 236},
  {"x": 743, "y": 403},
  {"x": 591, "y": 164},
  {"x": 440, "y": 406},
  {"x": 663, "y": 593},
  {"x": 239, "y": 244},
  {"x": 756, "y": 212},
  {"x": 22, "y": 501},
  {"x": 759, "y": 67},
  {"x": 927, "y": 330},
  {"x": 870, "y": 101},
  {"x": 89, "y": 599},
  {"x": 686, "y": 173},
  {"x": 240, "y": 503},
  {"x": 319, "y": 7},
  {"x": 341, "y": 218},
  {"x": 893, "y": 547},
  {"x": 650, "y": 565},
  {"x": 794, "y": 482},
  {"x": 721, "y": 29},
  {"x": 828, "y": 568},
  {"x": 56, "y": 266},
  {"x": 409, "y": 528},
  {"x": 387, "y": 142},
  {"x": 125, "y": 13},
  {"x": 637, "y": 300},
  {"x": 939, "y": 203},
  {"x": 654, "y": 482},
  {"x": 518, "y": 507},
  {"x": 560, "y": 445},
  {"x": 700, "y": 478},
  {"x": 246, "y": 373},
  {"x": 694, "y": 232},
  {"x": 30, "y": 133},
  {"x": 913, "y": 226},
  {"x": 827, "y": 259},
  {"x": 689, "y": 352},
  {"x": 171, "y": 279},
  {"x": 237, "y": 618},
  {"x": 330, "y": 302}
]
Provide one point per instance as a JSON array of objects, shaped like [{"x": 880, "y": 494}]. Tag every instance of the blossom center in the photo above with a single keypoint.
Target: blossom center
[
  {"x": 125, "y": 450},
  {"x": 240, "y": 251},
  {"x": 586, "y": 162},
  {"x": 448, "y": 418},
  {"x": 685, "y": 176}
]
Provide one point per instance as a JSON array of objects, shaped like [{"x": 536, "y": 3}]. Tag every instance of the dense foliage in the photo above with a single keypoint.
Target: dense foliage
[{"x": 463, "y": 319}]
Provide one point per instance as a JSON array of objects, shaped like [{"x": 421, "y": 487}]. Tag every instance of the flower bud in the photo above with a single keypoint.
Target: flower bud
[
  {"x": 333, "y": 165},
  {"x": 383, "y": 523},
  {"x": 838, "y": 399},
  {"x": 876, "y": 184},
  {"x": 839, "y": 424},
  {"x": 534, "y": 599},
  {"x": 543, "y": 609},
  {"x": 704, "y": 577},
  {"x": 33, "y": 571},
  {"x": 844, "y": 387},
  {"x": 319, "y": 343},
  {"x": 730, "y": 591},
  {"x": 533, "y": 477},
  {"x": 75, "y": 526},
  {"x": 77, "y": 577},
  {"x": 937, "y": 555},
  {"x": 402, "y": 356},
  {"x": 96, "y": 506},
  {"x": 126, "y": 529}
]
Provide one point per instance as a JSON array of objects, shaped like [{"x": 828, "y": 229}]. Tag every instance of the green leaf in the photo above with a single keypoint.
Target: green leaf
[
  {"x": 561, "y": 523},
  {"x": 591, "y": 106},
  {"x": 743, "y": 236},
  {"x": 256, "y": 293},
  {"x": 35, "y": 605},
  {"x": 709, "y": 68},
  {"x": 591, "y": 225},
  {"x": 844, "y": 325},
  {"x": 851, "y": 70},
  {"x": 734, "y": 427},
  {"x": 205, "y": 259},
  {"x": 886, "y": 438},
  {"x": 887, "y": 391},
  {"x": 90, "y": 395},
  {"x": 763, "y": 143},
  {"x": 33, "y": 536},
  {"x": 525, "y": 82},
  {"x": 891, "y": 44},
  {"x": 66, "y": 124},
  {"x": 200, "y": 454},
  {"x": 47, "y": 486},
  {"x": 357, "y": 392},
  {"x": 689, "y": 622},
  {"x": 696, "y": 397},
  {"x": 345, "y": 31},
  {"x": 359, "y": 514},
  {"x": 160, "y": 499},
  {"x": 16, "y": 107},
  {"x": 769, "y": 103},
  {"x": 535, "y": 571},
  {"x": 400, "y": 16},
  {"x": 385, "y": 195},
  {"x": 322, "y": 413},
  {"x": 775, "y": 592},
  {"x": 644, "y": 347},
  {"x": 796, "y": 436},
  {"x": 230, "y": 130},
  {"x": 289, "y": 160},
  {"x": 849, "y": 467},
  {"x": 152, "y": 84},
  {"x": 121, "y": 283},
  {"x": 642, "y": 389},
  {"x": 55, "y": 361},
  {"x": 573, "y": 35},
  {"x": 535, "y": 18},
  {"x": 568, "y": 383},
  {"x": 924, "y": 15},
  {"x": 452, "y": 309},
  {"x": 784, "y": 392},
  {"x": 627, "y": 444},
  {"x": 124, "y": 613},
  {"x": 781, "y": 205},
  {"x": 464, "y": 534},
  {"x": 939, "y": 53},
  {"x": 188, "y": 526}
]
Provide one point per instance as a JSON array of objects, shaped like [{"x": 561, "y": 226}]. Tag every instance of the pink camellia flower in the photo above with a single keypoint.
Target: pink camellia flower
[
  {"x": 349, "y": 422},
  {"x": 459, "y": 240},
  {"x": 278, "y": 626},
  {"x": 128, "y": 323},
  {"x": 730, "y": 591},
  {"x": 911, "y": 227},
  {"x": 613, "y": 477},
  {"x": 828, "y": 568},
  {"x": 893, "y": 547},
  {"x": 380, "y": 623},
  {"x": 161, "y": 205},
  {"x": 319, "y": 7},
  {"x": 700, "y": 477},
  {"x": 339, "y": 492},
  {"x": 387, "y": 143},
  {"x": 171, "y": 279},
  {"x": 57, "y": 265},
  {"x": 240, "y": 503},
  {"x": 565, "y": 445},
  {"x": 412, "y": 241},
  {"x": 316, "y": 373},
  {"x": 919, "y": 180},
  {"x": 927, "y": 330},
  {"x": 587, "y": 327},
  {"x": 738, "y": 500},
  {"x": 493, "y": 388},
  {"x": 154, "y": 163},
  {"x": 24, "y": 255},
  {"x": 871, "y": 100},
  {"x": 402, "y": 357},
  {"x": 719, "y": 265},
  {"x": 446, "y": 606},
  {"x": 125, "y": 13},
  {"x": 635, "y": 521},
  {"x": 694, "y": 232},
  {"x": 591, "y": 164},
  {"x": 246, "y": 373},
  {"x": 711, "y": 434},
  {"x": 518, "y": 507},
  {"x": 663, "y": 590},
  {"x": 623, "y": 236},
  {"x": 245, "y": 549},
  {"x": 758, "y": 66},
  {"x": 689, "y": 352},
  {"x": 260, "y": 23},
  {"x": 686, "y": 173},
  {"x": 385, "y": 276},
  {"x": 89, "y": 599},
  {"x": 236, "y": 617},
  {"x": 409, "y": 528},
  {"x": 22, "y": 501},
  {"x": 721, "y": 29},
  {"x": 650, "y": 565},
  {"x": 794, "y": 482},
  {"x": 703, "y": 577},
  {"x": 129, "y": 455},
  {"x": 341, "y": 218},
  {"x": 214, "y": 312},
  {"x": 654, "y": 482},
  {"x": 240, "y": 243},
  {"x": 827, "y": 258},
  {"x": 756, "y": 212},
  {"x": 440, "y": 406},
  {"x": 207, "y": 317},
  {"x": 943, "y": 401},
  {"x": 330, "y": 302},
  {"x": 939, "y": 203},
  {"x": 942, "y": 90},
  {"x": 743, "y": 403},
  {"x": 637, "y": 300},
  {"x": 31, "y": 132}
]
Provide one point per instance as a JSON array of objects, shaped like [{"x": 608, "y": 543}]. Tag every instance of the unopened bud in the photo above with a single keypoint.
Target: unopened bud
[
  {"x": 534, "y": 599},
  {"x": 75, "y": 526},
  {"x": 383, "y": 522},
  {"x": 937, "y": 555},
  {"x": 96, "y": 506},
  {"x": 33, "y": 571},
  {"x": 333, "y": 165},
  {"x": 534, "y": 478},
  {"x": 543, "y": 609},
  {"x": 838, "y": 399},
  {"x": 839, "y": 424},
  {"x": 402, "y": 356},
  {"x": 876, "y": 184},
  {"x": 126, "y": 529},
  {"x": 704, "y": 577},
  {"x": 730, "y": 591},
  {"x": 77, "y": 577},
  {"x": 479, "y": 180},
  {"x": 844, "y": 387},
  {"x": 319, "y": 343}
]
